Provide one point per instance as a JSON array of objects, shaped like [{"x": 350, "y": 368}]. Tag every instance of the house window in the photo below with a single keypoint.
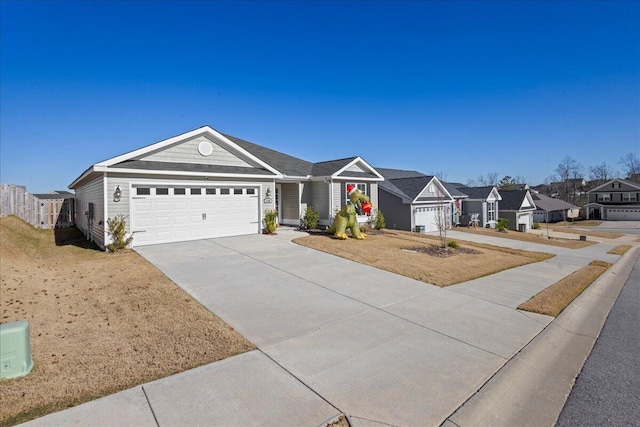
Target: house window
[
  {"x": 616, "y": 185},
  {"x": 628, "y": 197},
  {"x": 361, "y": 187},
  {"x": 603, "y": 197},
  {"x": 491, "y": 211}
]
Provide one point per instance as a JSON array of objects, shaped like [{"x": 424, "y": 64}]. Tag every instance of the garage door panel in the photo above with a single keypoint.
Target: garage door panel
[
  {"x": 632, "y": 214},
  {"x": 167, "y": 218}
]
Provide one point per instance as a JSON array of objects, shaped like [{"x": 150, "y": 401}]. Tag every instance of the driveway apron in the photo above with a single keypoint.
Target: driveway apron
[{"x": 377, "y": 346}]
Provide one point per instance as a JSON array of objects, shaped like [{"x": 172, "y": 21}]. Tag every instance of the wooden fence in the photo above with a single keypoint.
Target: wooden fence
[{"x": 54, "y": 210}]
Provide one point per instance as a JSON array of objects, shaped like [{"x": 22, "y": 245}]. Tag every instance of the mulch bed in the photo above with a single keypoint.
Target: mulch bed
[{"x": 439, "y": 252}]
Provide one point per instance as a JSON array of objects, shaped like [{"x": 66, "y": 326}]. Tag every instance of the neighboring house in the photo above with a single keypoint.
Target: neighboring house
[
  {"x": 55, "y": 209},
  {"x": 617, "y": 199},
  {"x": 204, "y": 184},
  {"x": 413, "y": 201},
  {"x": 481, "y": 202},
  {"x": 458, "y": 198},
  {"x": 517, "y": 206},
  {"x": 550, "y": 209}
]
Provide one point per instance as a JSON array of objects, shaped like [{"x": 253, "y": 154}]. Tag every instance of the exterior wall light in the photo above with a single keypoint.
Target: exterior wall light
[{"x": 117, "y": 194}]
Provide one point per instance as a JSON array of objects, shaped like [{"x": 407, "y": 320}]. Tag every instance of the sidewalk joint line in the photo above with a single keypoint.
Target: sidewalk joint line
[
  {"x": 374, "y": 421},
  {"x": 150, "y": 407},
  {"x": 302, "y": 382}
]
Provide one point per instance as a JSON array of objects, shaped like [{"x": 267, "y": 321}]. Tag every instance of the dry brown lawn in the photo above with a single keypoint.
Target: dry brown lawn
[
  {"x": 558, "y": 296},
  {"x": 582, "y": 223},
  {"x": 591, "y": 233},
  {"x": 529, "y": 237},
  {"x": 398, "y": 252},
  {"x": 99, "y": 322},
  {"x": 620, "y": 250}
]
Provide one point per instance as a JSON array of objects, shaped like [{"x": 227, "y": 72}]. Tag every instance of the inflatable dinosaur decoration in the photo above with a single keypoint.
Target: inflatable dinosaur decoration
[{"x": 358, "y": 204}]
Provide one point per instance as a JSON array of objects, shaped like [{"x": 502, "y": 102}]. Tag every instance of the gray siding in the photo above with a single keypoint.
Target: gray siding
[
  {"x": 91, "y": 192},
  {"x": 290, "y": 203},
  {"x": 355, "y": 168},
  {"x": 397, "y": 215},
  {"x": 472, "y": 207},
  {"x": 320, "y": 198},
  {"x": 187, "y": 152},
  {"x": 373, "y": 194},
  {"x": 337, "y": 188},
  {"x": 512, "y": 217}
]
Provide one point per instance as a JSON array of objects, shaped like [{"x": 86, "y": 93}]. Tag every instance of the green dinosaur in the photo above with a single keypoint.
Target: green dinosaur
[{"x": 346, "y": 219}]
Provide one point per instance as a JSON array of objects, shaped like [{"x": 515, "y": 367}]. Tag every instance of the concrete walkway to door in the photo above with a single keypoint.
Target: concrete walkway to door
[{"x": 335, "y": 336}]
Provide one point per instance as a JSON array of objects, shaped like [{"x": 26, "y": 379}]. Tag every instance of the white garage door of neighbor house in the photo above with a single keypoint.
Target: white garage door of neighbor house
[
  {"x": 173, "y": 214},
  {"x": 427, "y": 218},
  {"x": 631, "y": 214}
]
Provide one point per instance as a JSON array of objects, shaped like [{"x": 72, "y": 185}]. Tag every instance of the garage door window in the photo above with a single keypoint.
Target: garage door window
[
  {"x": 224, "y": 191},
  {"x": 251, "y": 191},
  {"x": 237, "y": 191},
  {"x": 210, "y": 191},
  {"x": 143, "y": 191},
  {"x": 162, "y": 191},
  {"x": 179, "y": 191},
  {"x": 196, "y": 191}
]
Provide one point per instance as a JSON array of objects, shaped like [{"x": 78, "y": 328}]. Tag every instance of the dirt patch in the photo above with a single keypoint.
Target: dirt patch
[
  {"x": 558, "y": 296},
  {"x": 620, "y": 250},
  {"x": 441, "y": 252},
  {"x": 99, "y": 323},
  {"x": 340, "y": 422},
  {"x": 529, "y": 237},
  {"x": 387, "y": 250}
]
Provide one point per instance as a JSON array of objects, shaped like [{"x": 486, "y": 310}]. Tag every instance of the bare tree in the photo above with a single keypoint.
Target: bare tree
[
  {"x": 631, "y": 164},
  {"x": 600, "y": 174},
  {"x": 569, "y": 173},
  {"x": 490, "y": 180}
]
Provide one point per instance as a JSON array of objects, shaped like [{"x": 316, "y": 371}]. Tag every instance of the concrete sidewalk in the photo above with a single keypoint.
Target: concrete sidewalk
[{"x": 335, "y": 337}]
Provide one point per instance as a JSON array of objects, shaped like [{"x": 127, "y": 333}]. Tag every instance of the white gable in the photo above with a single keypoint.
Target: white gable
[
  {"x": 199, "y": 150},
  {"x": 435, "y": 190},
  {"x": 527, "y": 203}
]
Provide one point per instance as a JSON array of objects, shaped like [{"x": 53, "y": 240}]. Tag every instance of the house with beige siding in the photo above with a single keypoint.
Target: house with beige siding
[{"x": 205, "y": 184}]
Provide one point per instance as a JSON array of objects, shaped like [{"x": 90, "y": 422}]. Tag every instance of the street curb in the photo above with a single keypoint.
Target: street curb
[{"x": 532, "y": 388}]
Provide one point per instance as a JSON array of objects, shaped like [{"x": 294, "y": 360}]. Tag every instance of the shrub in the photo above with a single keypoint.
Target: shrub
[
  {"x": 365, "y": 228},
  {"x": 536, "y": 225},
  {"x": 453, "y": 244},
  {"x": 379, "y": 220},
  {"x": 116, "y": 228},
  {"x": 311, "y": 218},
  {"x": 270, "y": 217},
  {"x": 502, "y": 224}
]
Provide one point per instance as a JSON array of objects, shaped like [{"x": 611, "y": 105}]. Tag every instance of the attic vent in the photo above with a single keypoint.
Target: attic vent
[{"x": 205, "y": 148}]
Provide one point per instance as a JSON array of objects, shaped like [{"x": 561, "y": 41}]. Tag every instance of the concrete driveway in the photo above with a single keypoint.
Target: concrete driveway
[
  {"x": 335, "y": 336},
  {"x": 378, "y": 346}
]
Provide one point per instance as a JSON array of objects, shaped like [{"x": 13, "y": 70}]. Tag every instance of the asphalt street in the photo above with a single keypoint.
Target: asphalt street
[{"x": 607, "y": 391}]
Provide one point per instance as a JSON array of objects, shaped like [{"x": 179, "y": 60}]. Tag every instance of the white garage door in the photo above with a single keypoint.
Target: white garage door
[
  {"x": 526, "y": 220},
  {"x": 630, "y": 214},
  {"x": 173, "y": 214},
  {"x": 427, "y": 217}
]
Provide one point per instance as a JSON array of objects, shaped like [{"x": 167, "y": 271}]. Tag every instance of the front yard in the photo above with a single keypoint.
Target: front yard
[
  {"x": 99, "y": 322},
  {"x": 537, "y": 236},
  {"x": 412, "y": 255}
]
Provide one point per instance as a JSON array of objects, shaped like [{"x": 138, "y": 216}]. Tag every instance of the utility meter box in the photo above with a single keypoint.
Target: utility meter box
[{"x": 15, "y": 349}]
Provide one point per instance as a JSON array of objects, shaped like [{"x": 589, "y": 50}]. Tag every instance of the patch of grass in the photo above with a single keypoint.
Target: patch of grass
[
  {"x": 529, "y": 237},
  {"x": 579, "y": 223},
  {"x": 384, "y": 250},
  {"x": 558, "y": 296},
  {"x": 591, "y": 233},
  {"x": 620, "y": 250},
  {"x": 99, "y": 322}
]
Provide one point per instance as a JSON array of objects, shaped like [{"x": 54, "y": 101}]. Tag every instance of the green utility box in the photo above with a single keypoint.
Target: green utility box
[{"x": 15, "y": 349}]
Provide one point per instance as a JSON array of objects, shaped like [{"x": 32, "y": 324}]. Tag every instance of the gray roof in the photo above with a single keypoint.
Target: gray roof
[
  {"x": 411, "y": 187},
  {"x": 477, "y": 193},
  {"x": 189, "y": 167},
  {"x": 512, "y": 199},
  {"x": 454, "y": 191},
  {"x": 330, "y": 167},
  {"x": 54, "y": 196},
  {"x": 285, "y": 163},
  {"x": 398, "y": 173},
  {"x": 550, "y": 204}
]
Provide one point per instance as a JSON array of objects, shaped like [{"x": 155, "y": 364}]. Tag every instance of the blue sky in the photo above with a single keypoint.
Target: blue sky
[{"x": 463, "y": 88}]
